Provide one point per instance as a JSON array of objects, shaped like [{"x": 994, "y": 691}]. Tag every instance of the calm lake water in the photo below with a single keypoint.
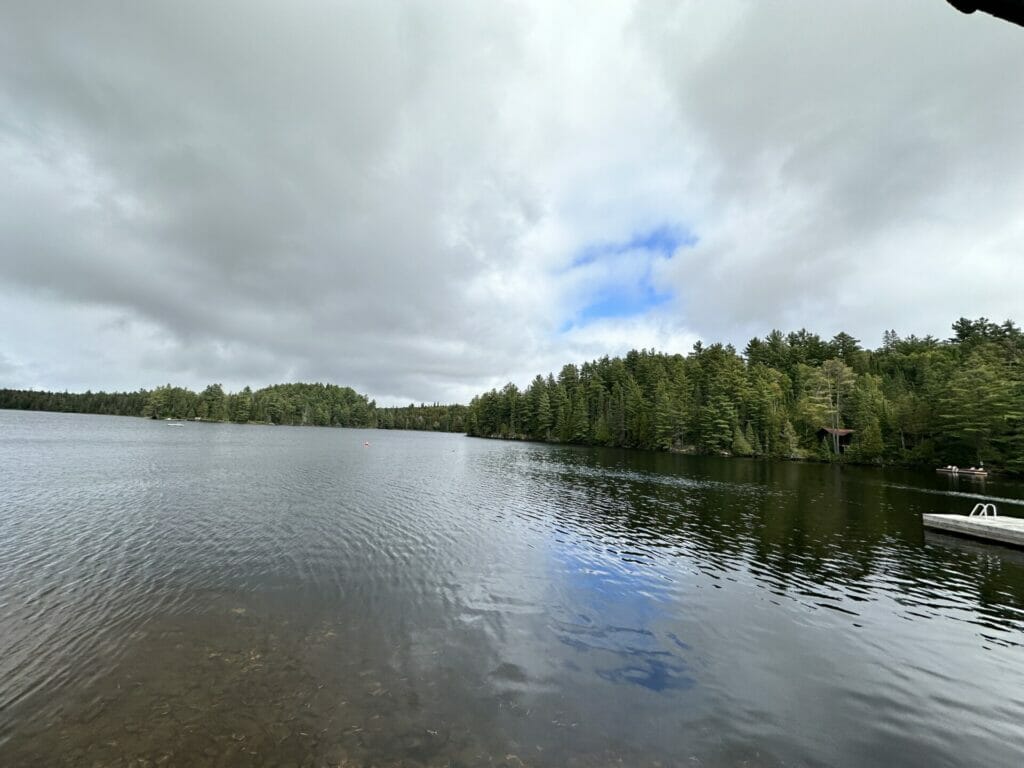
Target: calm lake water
[{"x": 239, "y": 595}]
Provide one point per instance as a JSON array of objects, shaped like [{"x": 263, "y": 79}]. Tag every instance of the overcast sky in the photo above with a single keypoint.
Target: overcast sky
[{"x": 426, "y": 199}]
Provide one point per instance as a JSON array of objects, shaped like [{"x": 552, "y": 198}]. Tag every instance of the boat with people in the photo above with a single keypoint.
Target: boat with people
[{"x": 952, "y": 469}]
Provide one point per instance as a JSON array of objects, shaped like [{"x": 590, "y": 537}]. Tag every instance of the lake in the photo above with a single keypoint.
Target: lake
[{"x": 230, "y": 595}]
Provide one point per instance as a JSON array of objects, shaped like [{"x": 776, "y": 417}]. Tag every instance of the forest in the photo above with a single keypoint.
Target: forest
[
  {"x": 915, "y": 401},
  {"x": 912, "y": 401},
  {"x": 294, "y": 404},
  {"x": 320, "y": 405},
  {"x": 431, "y": 418}
]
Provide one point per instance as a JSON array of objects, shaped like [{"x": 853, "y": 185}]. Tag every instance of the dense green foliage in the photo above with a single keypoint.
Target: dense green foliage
[
  {"x": 293, "y": 404},
  {"x": 299, "y": 404},
  {"x": 914, "y": 400},
  {"x": 320, "y": 405},
  {"x": 430, "y": 418},
  {"x": 109, "y": 404}
]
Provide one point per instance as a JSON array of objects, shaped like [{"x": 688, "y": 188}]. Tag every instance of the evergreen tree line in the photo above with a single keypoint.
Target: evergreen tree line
[
  {"x": 294, "y": 404},
  {"x": 324, "y": 405},
  {"x": 913, "y": 400},
  {"x": 319, "y": 405},
  {"x": 430, "y": 418},
  {"x": 105, "y": 403}
]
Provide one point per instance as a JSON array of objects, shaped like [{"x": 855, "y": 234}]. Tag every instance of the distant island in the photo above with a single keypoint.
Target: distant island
[{"x": 913, "y": 401}]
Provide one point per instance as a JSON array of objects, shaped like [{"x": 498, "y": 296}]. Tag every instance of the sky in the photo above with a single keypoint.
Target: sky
[{"x": 426, "y": 200}]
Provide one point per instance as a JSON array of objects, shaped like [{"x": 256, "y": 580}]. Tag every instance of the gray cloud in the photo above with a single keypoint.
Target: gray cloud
[
  {"x": 861, "y": 161},
  {"x": 7, "y": 368},
  {"x": 388, "y": 195}
]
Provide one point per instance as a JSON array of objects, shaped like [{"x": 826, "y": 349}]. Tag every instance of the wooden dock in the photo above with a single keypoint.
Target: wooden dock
[{"x": 1002, "y": 530}]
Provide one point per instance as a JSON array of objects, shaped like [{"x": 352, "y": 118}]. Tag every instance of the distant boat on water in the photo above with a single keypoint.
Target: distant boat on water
[
  {"x": 174, "y": 424},
  {"x": 970, "y": 472}
]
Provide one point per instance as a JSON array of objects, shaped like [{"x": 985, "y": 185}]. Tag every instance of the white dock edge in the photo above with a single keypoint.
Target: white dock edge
[{"x": 1004, "y": 530}]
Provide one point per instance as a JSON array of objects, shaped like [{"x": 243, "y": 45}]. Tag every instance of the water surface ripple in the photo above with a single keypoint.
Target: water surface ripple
[{"x": 239, "y": 595}]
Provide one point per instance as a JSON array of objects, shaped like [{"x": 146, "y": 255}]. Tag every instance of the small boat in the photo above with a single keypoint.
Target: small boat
[
  {"x": 174, "y": 424},
  {"x": 957, "y": 471}
]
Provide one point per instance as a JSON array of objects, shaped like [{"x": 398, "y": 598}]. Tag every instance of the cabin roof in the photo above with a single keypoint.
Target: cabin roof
[{"x": 839, "y": 432}]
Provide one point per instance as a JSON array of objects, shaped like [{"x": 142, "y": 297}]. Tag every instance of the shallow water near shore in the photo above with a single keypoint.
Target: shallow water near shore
[{"x": 229, "y": 595}]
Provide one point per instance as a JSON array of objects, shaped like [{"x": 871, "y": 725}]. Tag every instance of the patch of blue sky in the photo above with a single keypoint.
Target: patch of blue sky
[
  {"x": 620, "y": 300},
  {"x": 625, "y": 301},
  {"x": 663, "y": 241}
]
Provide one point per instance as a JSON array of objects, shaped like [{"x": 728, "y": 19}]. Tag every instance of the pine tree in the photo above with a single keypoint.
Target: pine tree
[
  {"x": 664, "y": 419},
  {"x": 788, "y": 445},
  {"x": 752, "y": 441},
  {"x": 241, "y": 407},
  {"x": 563, "y": 415},
  {"x": 979, "y": 406},
  {"x": 580, "y": 422},
  {"x": 867, "y": 445},
  {"x": 543, "y": 430},
  {"x": 740, "y": 446}
]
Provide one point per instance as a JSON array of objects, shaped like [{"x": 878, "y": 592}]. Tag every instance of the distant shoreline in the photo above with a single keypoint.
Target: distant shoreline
[{"x": 685, "y": 451}]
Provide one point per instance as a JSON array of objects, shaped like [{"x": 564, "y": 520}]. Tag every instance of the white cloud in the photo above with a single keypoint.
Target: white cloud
[{"x": 389, "y": 196}]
